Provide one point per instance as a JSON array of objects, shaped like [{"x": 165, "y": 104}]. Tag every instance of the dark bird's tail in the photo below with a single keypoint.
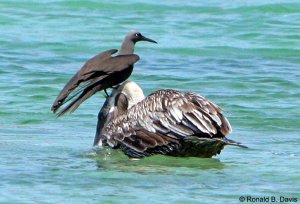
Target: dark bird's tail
[
  {"x": 69, "y": 87},
  {"x": 87, "y": 92}
]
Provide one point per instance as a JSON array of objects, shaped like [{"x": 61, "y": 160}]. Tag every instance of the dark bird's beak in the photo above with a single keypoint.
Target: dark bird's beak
[{"x": 143, "y": 38}]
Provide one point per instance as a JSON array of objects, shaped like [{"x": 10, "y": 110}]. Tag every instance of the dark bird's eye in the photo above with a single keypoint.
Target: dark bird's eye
[{"x": 138, "y": 34}]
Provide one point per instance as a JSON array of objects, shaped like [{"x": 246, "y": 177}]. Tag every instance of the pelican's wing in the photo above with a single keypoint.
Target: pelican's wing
[{"x": 162, "y": 120}]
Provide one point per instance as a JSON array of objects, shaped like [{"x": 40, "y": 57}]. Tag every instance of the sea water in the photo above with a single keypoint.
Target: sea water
[{"x": 242, "y": 55}]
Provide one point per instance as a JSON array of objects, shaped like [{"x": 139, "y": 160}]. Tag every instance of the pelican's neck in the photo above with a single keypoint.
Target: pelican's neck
[
  {"x": 106, "y": 114},
  {"x": 127, "y": 47}
]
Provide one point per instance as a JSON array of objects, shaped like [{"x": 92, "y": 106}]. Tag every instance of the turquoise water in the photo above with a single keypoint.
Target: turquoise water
[{"x": 243, "y": 55}]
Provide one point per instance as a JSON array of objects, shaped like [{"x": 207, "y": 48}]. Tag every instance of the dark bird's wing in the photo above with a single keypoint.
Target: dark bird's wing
[
  {"x": 161, "y": 121},
  {"x": 97, "y": 74}
]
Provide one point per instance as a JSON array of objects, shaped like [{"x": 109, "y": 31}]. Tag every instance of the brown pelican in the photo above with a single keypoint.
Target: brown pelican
[
  {"x": 166, "y": 122},
  {"x": 99, "y": 73}
]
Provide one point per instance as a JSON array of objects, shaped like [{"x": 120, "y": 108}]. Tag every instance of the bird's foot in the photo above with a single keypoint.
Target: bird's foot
[{"x": 106, "y": 93}]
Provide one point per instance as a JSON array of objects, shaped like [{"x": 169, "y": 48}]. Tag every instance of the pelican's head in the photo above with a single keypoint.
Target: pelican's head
[
  {"x": 117, "y": 103},
  {"x": 131, "y": 92}
]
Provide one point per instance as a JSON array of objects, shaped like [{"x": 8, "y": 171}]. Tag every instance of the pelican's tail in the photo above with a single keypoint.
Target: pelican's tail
[
  {"x": 232, "y": 142},
  {"x": 204, "y": 146}
]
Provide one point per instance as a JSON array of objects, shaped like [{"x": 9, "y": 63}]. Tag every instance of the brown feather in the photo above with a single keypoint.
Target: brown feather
[
  {"x": 164, "y": 120},
  {"x": 100, "y": 72}
]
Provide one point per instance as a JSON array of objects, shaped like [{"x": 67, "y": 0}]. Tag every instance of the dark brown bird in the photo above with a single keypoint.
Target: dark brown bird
[
  {"x": 99, "y": 73},
  {"x": 166, "y": 122}
]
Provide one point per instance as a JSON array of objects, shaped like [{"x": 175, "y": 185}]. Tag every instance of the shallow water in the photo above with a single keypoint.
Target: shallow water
[{"x": 243, "y": 55}]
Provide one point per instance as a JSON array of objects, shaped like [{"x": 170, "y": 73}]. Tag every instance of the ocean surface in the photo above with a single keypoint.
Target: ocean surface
[{"x": 243, "y": 55}]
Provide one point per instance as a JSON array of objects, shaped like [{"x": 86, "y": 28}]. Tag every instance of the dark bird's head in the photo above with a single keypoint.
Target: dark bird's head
[
  {"x": 135, "y": 36},
  {"x": 129, "y": 41}
]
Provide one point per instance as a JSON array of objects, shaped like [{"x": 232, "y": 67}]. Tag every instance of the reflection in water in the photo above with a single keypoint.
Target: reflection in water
[{"x": 108, "y": 158}]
